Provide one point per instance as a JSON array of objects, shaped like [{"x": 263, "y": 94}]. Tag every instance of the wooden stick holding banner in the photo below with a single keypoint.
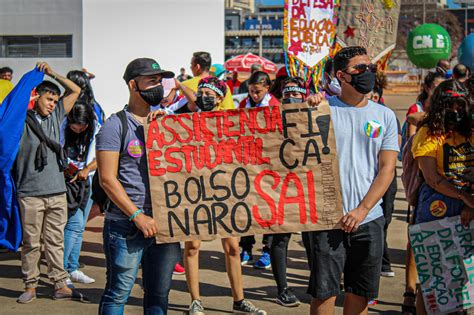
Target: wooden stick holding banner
[{"x": 243, "y": 172}]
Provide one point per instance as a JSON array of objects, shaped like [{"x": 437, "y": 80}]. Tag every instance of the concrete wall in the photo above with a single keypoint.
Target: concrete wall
[
  {"x": 42, "y": 17},
  {"x": 118, "y": 31}
]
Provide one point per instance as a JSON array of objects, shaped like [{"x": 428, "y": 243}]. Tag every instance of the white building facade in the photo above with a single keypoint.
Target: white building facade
[{"x": 104, "y": 35}]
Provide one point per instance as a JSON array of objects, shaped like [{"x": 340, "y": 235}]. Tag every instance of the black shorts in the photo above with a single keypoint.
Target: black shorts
[{"x": 358, "y": 255}]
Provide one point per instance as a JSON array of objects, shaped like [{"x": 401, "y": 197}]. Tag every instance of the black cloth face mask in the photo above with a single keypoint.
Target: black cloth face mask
[
  {"x": 152, "y": 96},
  {"x": 205, "y": 103},
  {"x": 363, "y": 82},
  {"x": 452, "y": 118},
  {"x": 292, "y": 100}
]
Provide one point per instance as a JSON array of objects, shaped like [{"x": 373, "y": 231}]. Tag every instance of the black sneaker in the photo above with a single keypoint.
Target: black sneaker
[
  {"x": 246, "y": 307},
  {"x": 287, "y": 298}
]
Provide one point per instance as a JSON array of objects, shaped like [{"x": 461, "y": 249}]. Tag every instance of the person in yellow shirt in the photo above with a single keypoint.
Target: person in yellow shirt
[
  {"x": 5, "y": 88},
  {"x": 444, "y": 149},
  {"x": 200, "y": 66}
]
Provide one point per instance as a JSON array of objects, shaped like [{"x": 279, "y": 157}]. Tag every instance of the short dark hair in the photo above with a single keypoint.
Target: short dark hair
[
  {"x": 341, "y": 59},
  {"x": 260, "y": 77},
  {"x": 328, "y": 66},
  {"x": 460, "y": 71},
  {"x": 203, "y": 59},
  {"x": 48, "y": 86},
  {"x": 6, "y": 70}
]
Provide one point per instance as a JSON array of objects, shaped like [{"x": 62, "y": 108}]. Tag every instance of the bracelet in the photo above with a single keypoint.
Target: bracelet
[{"x": 135, "y": 214}]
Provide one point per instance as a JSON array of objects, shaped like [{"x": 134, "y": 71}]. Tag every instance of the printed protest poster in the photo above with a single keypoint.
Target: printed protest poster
[
  {"x": 239, "y": 172},
  {"x": 444, "y": 253},
  {"x": 309, "y": 31},
  {"x": 369, "y": 23}
]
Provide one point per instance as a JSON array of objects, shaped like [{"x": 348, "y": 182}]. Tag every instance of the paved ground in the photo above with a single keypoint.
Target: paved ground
[{"x": 260, "y": 286}]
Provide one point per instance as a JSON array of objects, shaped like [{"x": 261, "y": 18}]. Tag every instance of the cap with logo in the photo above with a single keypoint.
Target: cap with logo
[{"x": 145, "y": 66}]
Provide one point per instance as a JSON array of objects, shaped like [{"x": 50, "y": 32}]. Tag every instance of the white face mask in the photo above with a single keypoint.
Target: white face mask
[{"x": 334, "y": 87}]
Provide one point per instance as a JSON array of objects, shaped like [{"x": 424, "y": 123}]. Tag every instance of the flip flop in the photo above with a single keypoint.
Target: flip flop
[{"x": 74, "y": 296}]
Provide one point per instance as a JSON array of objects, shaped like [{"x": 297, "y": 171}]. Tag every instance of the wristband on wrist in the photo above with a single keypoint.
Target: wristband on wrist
[{"x": 135, "y": 214}]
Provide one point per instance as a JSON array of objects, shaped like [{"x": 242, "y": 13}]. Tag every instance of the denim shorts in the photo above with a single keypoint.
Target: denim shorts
[
  {"x": 434, "y": 206},
  {"x": 358, "y": 255}
]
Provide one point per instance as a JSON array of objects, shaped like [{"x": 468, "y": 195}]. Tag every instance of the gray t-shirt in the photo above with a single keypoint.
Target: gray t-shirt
[
  {"x": 30, "y": 181},
  {"x": 133, "y": 171},
  {"x": 361, "y": 133}
]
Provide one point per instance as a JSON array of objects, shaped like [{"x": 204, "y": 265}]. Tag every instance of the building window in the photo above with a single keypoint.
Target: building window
[{"x": 33, "y": 46}]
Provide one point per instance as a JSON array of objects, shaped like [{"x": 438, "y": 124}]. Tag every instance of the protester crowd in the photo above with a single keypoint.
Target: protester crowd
[{"x": 71, "y": 159}]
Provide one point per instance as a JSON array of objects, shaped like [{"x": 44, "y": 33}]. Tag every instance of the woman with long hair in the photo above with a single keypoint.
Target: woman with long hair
[
  {"x": 78, "y": 140},
  {"x": 444, "y": 150},
  {"x": 82, "y": 79},
  {"x": 415, "y": 114}
]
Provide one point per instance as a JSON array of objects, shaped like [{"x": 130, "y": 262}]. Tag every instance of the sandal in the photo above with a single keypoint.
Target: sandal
[{"x": 409, "y": 309}]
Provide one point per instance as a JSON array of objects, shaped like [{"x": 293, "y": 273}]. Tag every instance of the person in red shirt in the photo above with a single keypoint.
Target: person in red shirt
[
  {"x": 233, "y": 83},
  {"x": 259, "y": 95}
]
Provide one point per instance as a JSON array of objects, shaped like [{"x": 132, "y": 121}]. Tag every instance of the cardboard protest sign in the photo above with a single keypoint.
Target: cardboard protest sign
[
  {"x": 241, "y": 172},
  {"x": 369, "y": 23},
  {"x": 309, "y": 31},
  {"x": 444, "y": 253}
]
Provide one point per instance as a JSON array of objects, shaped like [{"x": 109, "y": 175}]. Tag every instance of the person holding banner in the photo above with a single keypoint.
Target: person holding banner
[
  {"x": 210, "y": 94},
  {"x": 367, "y": 145},
  {"x": 444, "y": 150},
  {"x": 129, "y": 228},
  {"x": 293, "y": 91}
]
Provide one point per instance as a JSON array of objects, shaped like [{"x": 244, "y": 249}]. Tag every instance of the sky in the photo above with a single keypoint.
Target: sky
[
  {"x": 451, "y": 4},
  {"x": 270, "y": 2}
]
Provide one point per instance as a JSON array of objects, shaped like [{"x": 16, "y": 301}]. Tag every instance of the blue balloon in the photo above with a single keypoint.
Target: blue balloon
[{"x": 466, "y": 51}]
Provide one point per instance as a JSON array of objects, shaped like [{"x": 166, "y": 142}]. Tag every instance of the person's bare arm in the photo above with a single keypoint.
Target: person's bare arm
[
  {"x": 72, "y": 90},
  {"x": 428, "y": 167},
  {"x": 107, "y": 163},
  {"x": 387, "y": 161},
  {"x": 414, "y": 119},
  {"x": 84, "y": 173},
  {"x": 189, "y": 94}
]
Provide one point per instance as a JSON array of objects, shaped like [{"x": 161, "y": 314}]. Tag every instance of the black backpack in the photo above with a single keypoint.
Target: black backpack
[{"x": 98, "y": 194}]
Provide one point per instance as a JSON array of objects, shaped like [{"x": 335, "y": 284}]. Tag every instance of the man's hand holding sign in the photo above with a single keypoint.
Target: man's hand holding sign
[{"x": 240, "y": 172}]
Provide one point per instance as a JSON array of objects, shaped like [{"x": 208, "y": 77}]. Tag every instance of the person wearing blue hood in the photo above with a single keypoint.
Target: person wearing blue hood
[{"x": 41, "y": 191}]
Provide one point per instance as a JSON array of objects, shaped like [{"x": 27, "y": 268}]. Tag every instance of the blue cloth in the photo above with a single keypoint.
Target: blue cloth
[
  {"x": 12, "y": 121},
  {"x": 435, "y": 206},
  {"x": 125, "y": 248},
  {"x": 361, "y": 133}
]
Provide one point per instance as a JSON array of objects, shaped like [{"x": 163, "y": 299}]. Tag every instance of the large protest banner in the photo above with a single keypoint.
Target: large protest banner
[
  {"x": 444, "y": 253},
  {"x": 371, "y": 24},
  {"x": 309, "y": 30},
  {"x": 241, "y": 172}
]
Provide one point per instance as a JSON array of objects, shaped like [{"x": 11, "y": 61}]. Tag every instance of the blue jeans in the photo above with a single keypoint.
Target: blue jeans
[
  {"x": 125, "y": 248},
  {"x": 73, "y": 232}
]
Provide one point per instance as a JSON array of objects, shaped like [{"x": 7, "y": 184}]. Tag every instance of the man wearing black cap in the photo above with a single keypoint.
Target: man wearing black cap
[{"x": 129, "y": 227}]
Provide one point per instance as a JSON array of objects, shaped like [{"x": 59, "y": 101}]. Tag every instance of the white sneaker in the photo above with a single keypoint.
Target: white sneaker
[
  {"x": 388, "y": 274},
  {"x": 69, "y": 284},
  {"x": 79, "y": 276}
]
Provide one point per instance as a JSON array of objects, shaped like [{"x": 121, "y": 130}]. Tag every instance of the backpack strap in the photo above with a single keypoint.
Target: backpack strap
[{"x": 124, "y": 121}]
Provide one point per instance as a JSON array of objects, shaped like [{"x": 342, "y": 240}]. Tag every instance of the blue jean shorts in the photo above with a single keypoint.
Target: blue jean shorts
[{"x": 434, "y": 206}]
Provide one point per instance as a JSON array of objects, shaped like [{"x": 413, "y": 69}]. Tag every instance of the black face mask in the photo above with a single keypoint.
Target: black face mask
[
  {"x": 363, "y": 82},
  {"x": 453, "y": 118},
  {"x": 205, "y": 103},
  {"x": 292, "y": 100},
  {"x": 152, "y": 96}
]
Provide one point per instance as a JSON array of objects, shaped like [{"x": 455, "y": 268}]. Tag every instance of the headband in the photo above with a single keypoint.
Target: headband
[
  {"x": 453, "y": 93},
  {"x": 294, "y": 89},
  {"x": 212, "y": 87}
]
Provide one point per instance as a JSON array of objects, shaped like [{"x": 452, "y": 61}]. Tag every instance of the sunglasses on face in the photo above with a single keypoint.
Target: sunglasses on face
[{"x": 361, "y": 68}]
